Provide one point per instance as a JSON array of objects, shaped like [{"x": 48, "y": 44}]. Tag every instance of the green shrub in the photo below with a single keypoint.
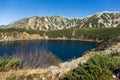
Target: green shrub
[
  {"x": 98, "y": 67},
  {"x": 9, "y": 63},
  {"x": 33, "y": 75},
  {"x": 13, "y": 64}
]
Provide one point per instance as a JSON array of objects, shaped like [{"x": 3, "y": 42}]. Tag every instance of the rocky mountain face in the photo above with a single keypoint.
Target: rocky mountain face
[
  {"x": 103, "y": 19},
  {"x": 106, "y": 44},
  {"x": 44, "y": 23}
]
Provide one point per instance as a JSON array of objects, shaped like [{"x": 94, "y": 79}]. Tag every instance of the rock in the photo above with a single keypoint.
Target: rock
[
  {"x": 108, "y": 43},
  {"x": 35, "y": 79},
  {"x": 44, "y": 78},
  {"x": 46, "y": 37},
  {"x": 54, "y": 70},
  {"x": 69, "y": 65}
]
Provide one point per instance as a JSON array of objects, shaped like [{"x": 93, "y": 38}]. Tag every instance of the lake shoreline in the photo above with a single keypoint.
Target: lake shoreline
[
  {"x": 88, "y": 40},
  {"x": 73, "y": 39}
]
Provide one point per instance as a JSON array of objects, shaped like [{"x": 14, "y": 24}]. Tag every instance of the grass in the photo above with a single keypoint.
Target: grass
[
  {"x": 98, "y": 67},
  {"x": 23, "y": 73},
  {"x": 28, "y": 74}
]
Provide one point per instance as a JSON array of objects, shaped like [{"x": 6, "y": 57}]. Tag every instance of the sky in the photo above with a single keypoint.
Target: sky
[{"x": 12, "y": 10}]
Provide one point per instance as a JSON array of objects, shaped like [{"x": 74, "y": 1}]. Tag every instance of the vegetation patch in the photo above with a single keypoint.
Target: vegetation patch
[
  {"x": 76, "y": 33},
  {"x": 9, "y": 63},
  {"x": 98, "y": 67}
]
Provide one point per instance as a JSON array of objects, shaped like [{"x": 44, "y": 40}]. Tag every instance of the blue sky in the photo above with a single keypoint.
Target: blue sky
[{"x": 12, "y": 10}]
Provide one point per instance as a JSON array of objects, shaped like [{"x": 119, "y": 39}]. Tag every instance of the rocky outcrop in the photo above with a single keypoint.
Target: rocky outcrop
[
  {"x": 54, "y": 70},
  {"x": 68, "y": 65},
  {"x": 102, "y": 19},
  {"x": 108, "y": 43},
  {"x": 12, "y": 36}
]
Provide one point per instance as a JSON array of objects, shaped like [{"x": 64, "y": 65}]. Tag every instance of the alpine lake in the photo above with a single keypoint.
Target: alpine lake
[{"x": 63, "y": 49}]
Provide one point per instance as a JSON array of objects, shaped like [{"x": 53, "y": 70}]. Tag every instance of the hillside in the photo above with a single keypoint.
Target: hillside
[
  {"x": 86, "y": 34},
  {"x": 98, "y": 20},
  {"x": 13, "y": 34}
]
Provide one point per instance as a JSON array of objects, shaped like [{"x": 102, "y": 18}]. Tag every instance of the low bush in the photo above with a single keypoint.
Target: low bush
[
  {"x": 98, "y": 67},
  {"x": 9, "y": 63}
]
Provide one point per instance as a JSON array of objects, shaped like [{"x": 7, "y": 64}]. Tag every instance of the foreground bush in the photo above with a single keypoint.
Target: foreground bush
[
  {"x": 99, "y": 67},
  {"x": 9, "y": 63}
]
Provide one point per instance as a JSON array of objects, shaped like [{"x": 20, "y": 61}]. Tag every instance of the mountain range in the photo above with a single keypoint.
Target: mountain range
[{"x": 98, "y": 20}]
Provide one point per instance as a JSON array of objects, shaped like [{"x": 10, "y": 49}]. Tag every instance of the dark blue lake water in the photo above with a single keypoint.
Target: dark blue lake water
[{"x": 64, "y": 49}]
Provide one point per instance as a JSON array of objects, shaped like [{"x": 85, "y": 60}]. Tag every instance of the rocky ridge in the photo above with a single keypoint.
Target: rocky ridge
[{"x": 98, "y": 20}]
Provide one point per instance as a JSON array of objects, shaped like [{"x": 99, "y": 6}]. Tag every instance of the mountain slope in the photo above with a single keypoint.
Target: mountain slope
[
  {"x": 45, "y": 23},
  {"x": 103, "y": 19}
]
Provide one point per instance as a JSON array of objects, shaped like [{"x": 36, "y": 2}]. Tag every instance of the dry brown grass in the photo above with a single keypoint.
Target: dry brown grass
[
  {"x": 18, "y": 73},
  {"x": 23, "y": 74}
]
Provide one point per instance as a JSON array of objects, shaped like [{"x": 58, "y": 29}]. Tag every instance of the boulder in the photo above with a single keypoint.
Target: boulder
[
  {"x": 44, "y": 78},
  {"x": 54, "y": 70}
]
